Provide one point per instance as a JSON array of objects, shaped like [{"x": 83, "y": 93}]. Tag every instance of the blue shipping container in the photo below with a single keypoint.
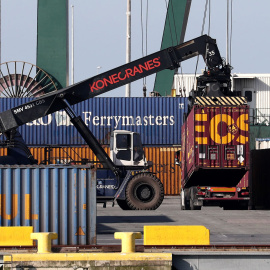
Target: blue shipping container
[
  {"x": 59, "y": 199},
  {"x": 157, "y": 119}
]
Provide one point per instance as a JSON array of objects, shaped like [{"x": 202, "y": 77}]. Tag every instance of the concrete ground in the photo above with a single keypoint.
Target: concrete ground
[{"x": 226, "y": 227}]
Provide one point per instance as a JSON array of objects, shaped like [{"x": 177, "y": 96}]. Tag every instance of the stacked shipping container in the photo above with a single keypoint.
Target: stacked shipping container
[
  {"x": 162, "y": 158},
  {"x": 59, "y": 199},
  {"x": 157, "y": 119},
  {"x": 216, "y": 140},
  {"x": 215, "y": 154}
]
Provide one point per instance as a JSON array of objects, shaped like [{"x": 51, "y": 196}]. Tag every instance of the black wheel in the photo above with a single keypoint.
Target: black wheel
[
  {"x": 194, "y": 207},
  {"x": 123, "y": 205},
  {"x": 192, "y": 198},
  {"x": 187, "y": 201},
  {"x": 184, "y": 201},
  {"x": 144, "y": 192}
]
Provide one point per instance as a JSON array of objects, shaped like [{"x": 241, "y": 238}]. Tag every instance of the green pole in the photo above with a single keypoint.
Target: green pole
[
  {"x": 173, "y": 34},
  {"x": 52, "y": 39}
]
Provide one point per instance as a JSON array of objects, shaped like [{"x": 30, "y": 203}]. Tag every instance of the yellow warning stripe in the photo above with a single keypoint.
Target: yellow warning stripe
[
  {"x": 236, "y": 100},
  {"x": 199, "y": 101},
  {"x": 239, "y": 100},
  {"x": 210, "y": 101},
  {"x": 231, "y": 101},
  {"x": 204, "y": 101},
  {"x": 222, "y": 102},
  {"x": 228, "y": 101}
]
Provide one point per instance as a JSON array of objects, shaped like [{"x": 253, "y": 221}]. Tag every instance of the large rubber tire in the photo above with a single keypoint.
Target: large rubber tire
[
  {"x": 186, "y": 205},
  {"x": 182, "y": 201},
  {"x": 192, "y": 199},
  {"x": 144, "y": 192},
  {"x": 194, "y": 207},
  {"x": 187, "y": 201},
  {"x": 123, "y": 205}
]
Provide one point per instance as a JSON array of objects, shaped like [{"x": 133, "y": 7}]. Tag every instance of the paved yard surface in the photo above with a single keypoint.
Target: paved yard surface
[{"x": 226, "y": 227}]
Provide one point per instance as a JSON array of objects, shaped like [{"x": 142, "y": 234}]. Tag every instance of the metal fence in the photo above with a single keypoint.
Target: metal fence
[{"x": 260, "y": 116}]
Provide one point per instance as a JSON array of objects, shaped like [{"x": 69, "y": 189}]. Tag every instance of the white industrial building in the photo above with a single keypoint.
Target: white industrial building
[{"x": 255, "y": 87}]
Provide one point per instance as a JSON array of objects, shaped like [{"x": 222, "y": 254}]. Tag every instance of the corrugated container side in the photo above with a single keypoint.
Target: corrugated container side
[
  {"x": 244, "y": 182},
  {"x": 217, "y": 146},
  {"x": 164, "y": 167},
  {"x": 67, "y": 155},
  {"x": 188, "y": 141},
  {"x": 51, "y": 199},
  {"x": 3, "y": 151},
  {"x": 262, "y": 87},
  {"x": 259, "y": 84},
  {"x": 157, "y": 119},
  {"x": 162, "y": 158}
]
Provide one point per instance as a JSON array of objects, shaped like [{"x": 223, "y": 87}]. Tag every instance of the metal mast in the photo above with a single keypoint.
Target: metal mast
[
  {"x": 72, "y": 44},
  {"x": 227, "y": 33},
  {"x": 128, "y": 41},
  {"x": 0, "y": 31}
]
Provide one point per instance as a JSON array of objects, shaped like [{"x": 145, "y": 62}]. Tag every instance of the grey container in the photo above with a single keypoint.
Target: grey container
[{"x": 59, "y": 199}]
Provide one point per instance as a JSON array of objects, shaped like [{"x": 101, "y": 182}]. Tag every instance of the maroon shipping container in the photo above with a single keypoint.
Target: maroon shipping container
[{"x": 215, "y": 146}]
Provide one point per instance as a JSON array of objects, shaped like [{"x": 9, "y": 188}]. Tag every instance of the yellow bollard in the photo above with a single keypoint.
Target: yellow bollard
[
  {"x": 44, "y": 241},
  {"x": 128, "y": 240}
]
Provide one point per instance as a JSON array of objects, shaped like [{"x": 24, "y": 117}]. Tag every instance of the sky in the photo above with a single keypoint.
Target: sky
[{"x": 100, "y": 34}]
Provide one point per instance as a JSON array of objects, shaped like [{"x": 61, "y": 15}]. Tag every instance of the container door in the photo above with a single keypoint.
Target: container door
[
  {"x": 214, "y": 155},
  {"x": 207, "y": 136},
  {"x": 234, "y": 136},
  {"x": 221, "y": 135}
]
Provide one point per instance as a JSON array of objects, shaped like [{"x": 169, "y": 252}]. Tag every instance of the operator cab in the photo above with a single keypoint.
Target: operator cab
[{"x": 126, "y": 149}]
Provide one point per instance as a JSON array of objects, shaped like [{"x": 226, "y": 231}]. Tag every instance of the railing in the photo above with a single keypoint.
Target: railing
[{"x": 259, "y": 116}]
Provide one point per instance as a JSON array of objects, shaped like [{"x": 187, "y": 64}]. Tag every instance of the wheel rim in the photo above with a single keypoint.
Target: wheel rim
[{"x": 144, "y": 192}]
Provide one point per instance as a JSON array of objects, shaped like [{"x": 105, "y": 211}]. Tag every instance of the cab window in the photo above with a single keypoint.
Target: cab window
[{"x": 123, "y": 141}]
